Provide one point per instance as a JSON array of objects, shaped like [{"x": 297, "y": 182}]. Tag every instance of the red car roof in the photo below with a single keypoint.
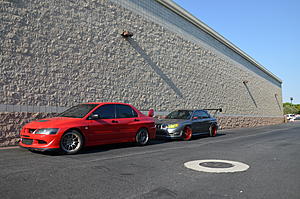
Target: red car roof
[{"x": 105, "y": 103}]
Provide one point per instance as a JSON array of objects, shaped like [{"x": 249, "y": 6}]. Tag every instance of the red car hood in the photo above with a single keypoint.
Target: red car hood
[{"x": 54, "y": 122}]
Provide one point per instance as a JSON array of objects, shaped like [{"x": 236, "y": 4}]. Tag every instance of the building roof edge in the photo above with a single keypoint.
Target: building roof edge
[{"x": 188, "y": 16}]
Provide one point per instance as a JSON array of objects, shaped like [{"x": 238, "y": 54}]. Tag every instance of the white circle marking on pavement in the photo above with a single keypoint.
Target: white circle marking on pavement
[{"x": 237, "y": 166}]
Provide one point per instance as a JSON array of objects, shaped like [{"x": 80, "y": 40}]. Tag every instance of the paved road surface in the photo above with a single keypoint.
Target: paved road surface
[{"x": 157, "y": 170}]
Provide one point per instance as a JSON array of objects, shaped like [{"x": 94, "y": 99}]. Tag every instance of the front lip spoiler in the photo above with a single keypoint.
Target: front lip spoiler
[
  {"x": 169, "y": 136},
  {"x": 39, "y": 149},
  {"x": 173, "y": 135}
]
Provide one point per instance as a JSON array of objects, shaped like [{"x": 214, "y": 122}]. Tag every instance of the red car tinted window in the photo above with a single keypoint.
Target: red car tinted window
[
  {"x": 106, "y": 111},
  {"x": 78, "y": 111},
  {"x": 124, "y": 111}
]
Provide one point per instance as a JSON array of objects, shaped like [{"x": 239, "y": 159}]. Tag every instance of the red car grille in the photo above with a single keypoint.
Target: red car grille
[{"x": 27, "y": 141}]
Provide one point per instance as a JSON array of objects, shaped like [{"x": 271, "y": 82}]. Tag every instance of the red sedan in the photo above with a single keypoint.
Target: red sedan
[{"x": 89, "y": 124}]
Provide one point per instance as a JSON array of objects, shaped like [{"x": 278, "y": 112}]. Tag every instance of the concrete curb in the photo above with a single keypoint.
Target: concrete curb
[{"x": 9, "y": 147}]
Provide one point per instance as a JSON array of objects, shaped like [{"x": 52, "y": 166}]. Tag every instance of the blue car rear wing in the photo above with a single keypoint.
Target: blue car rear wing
[{"x": 214, "y": 109}]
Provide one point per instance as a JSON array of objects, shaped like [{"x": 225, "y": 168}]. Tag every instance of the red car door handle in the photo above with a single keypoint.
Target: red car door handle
[
  {"x": 136, "y": 120},
  {"x": 114, "y": 121}
]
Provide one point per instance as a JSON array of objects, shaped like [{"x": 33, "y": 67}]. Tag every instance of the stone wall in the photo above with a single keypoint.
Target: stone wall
[
  {"x": 60, "y": 53},
  {"x": 247, "y": 122},
  {"x": 12, "y": 123},
  {"x": 65, "y": 52}
]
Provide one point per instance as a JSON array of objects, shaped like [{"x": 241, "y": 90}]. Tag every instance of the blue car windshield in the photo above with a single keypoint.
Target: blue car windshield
[
  {"x": 78, "y": 111},
  {"x": 180, "y": 114}
]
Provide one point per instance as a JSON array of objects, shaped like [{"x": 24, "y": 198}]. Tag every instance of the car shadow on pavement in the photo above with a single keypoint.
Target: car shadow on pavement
[
  {"x": 206, "y": 136},
  {"x": 109, "y": 147},
  {"x": 103, "y": 148},
  {"x": 220, "y": 134}
]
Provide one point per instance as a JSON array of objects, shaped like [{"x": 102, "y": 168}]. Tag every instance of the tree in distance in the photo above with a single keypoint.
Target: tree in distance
[{"x": 289, "y": 108}]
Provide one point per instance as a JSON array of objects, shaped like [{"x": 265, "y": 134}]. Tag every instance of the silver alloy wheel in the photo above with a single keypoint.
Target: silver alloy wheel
[
  {"x": 142, "y": 137},
  {"x": 71, "y": 142}
]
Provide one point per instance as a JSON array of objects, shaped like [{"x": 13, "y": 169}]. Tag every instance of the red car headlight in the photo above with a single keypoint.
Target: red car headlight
[{"x": 47, "y": 131}]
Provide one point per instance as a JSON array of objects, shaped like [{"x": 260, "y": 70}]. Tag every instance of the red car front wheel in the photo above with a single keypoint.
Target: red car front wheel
[{"x": 71, "y": 142}]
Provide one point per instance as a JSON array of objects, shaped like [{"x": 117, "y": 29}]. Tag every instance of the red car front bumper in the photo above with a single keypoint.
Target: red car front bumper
[{"x": 39, "y": 142}]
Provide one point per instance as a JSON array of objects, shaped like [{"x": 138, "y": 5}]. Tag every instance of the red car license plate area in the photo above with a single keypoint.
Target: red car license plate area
[{"x": 27, "y": 141}]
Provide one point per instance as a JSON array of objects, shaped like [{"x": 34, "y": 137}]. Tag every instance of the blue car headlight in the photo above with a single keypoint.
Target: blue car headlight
[
  {"x": 47, "y": 131},
  {"x": 173, "y": 126}
]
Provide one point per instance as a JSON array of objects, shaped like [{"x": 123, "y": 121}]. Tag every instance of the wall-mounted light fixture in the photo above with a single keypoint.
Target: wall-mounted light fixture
[{"x": 126, "y": 33}]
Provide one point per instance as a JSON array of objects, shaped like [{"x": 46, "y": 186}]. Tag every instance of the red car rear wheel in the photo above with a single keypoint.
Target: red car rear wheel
[{"x": 142, "y": 137}]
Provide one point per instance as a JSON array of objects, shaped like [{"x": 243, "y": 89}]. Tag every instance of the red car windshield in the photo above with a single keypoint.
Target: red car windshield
[{"x": 78, "y": 111}]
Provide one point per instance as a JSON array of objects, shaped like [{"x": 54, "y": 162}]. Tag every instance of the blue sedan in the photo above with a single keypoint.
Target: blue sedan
[{"x": 183, "y": 124}]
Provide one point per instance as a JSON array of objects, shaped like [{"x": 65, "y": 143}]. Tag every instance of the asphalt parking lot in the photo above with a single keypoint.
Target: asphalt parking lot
[{"x": 157, "y": 170}]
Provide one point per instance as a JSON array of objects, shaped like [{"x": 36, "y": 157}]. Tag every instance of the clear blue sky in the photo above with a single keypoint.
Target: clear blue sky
[{"x": 267, "y": 30}]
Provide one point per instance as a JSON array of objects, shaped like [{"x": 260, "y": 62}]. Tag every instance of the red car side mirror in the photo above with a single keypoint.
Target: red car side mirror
[{"x": 151, "y": 112}]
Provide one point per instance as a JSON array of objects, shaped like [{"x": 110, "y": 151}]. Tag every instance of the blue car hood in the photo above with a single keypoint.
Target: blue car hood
[{"x": 169, "y": 121}]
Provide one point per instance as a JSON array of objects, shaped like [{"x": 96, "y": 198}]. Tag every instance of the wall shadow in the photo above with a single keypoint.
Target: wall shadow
[
  {"x": 251, "y": 96},
  {"x": 154, "y": 67},
  {"x": 276, "y": 97}
]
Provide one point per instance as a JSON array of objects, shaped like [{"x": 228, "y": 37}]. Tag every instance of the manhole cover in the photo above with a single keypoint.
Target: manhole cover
[{"x": 216, "y": 166}]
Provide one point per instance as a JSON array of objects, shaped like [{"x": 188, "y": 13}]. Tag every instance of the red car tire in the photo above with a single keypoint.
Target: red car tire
[
  {"x": 71, "y": 142},
  {"x": 142, "y": 137}
]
